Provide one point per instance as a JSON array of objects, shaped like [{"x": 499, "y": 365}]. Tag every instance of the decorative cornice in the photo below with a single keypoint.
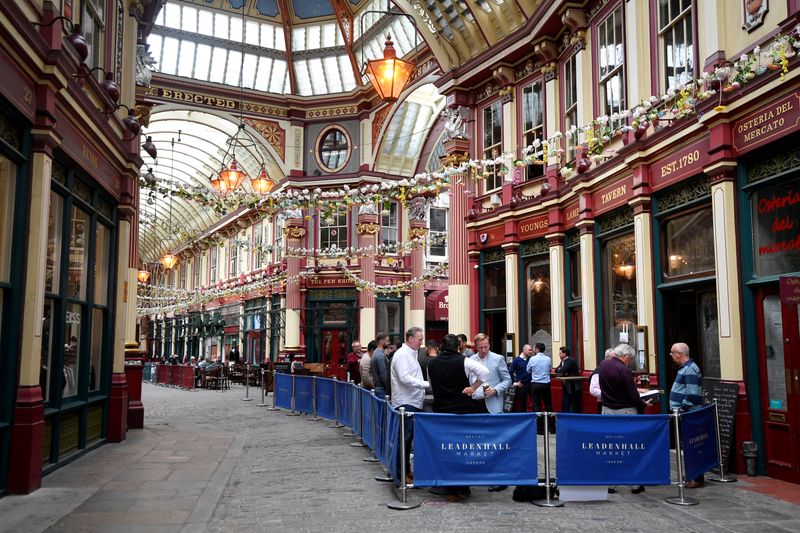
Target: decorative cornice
[
  {"x": 417, "y": 233},
  {"x": 332, "y": 111},
  {"x": 294, "y": 232},
  {"x": 550, "y": 71}
]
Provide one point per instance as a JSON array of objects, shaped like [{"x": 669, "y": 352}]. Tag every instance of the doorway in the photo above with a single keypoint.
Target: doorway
[
  {"x": 779, "y": 362},
  {"x": 494, "y": 325},
  {"x": 690, "y": 316}
]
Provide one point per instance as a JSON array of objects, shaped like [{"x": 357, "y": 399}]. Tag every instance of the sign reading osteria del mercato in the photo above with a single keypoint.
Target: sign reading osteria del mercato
[{"x": 767, "y": 123}]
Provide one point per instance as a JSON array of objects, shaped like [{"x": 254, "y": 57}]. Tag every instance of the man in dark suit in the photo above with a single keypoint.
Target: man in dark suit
[{"x": 571, "y": 398}]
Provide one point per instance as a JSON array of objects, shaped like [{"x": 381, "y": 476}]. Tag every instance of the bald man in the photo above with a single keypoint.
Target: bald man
[{"x": 687, "y": 390}]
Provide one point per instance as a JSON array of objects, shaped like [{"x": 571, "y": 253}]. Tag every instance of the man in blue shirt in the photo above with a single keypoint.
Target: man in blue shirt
[
  {"x": 521, "y": 379},
  {"x": 687, "y": 390},
  {"x": 539, "y": 367}
]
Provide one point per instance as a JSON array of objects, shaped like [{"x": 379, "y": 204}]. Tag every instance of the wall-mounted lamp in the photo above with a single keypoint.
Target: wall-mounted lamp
[
  {"x": 150, "y": 147},
  {"x": 74, "y": 36},
  {"x": 109, "y": 83}
]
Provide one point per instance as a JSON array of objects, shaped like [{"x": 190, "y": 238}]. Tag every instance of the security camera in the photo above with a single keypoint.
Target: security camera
[{"x": 476, "y": 267}]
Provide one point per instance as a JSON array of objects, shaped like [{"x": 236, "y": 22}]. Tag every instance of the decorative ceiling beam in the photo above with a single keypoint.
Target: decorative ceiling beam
[
  {"x": 286, "y": 19},
  {"x": 345, "y": 19}
]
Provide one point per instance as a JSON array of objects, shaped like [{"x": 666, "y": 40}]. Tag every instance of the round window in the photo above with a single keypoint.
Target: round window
[{"x": 334, "y": 149}]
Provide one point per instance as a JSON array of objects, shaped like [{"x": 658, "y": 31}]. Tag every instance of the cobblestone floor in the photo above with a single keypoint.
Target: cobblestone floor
[{"x": 207, "y": 461}]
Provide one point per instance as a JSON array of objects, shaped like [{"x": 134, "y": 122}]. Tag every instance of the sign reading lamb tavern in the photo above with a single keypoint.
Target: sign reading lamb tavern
[{"x": 767, "y": 123}]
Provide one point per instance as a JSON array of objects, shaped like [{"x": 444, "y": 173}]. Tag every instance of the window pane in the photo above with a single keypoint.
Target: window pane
[
  {"x": 776, "y": 217},
  {"x": 98, "y": 328},
  {"x": 78, "y": 254},
  {"x": 155, "y": 42},
  {"x": 333, "y": 149},
  {"x": 620, "y": 266},
  {"x": 388, "y": 318},
  {"x": 54, "y": 230},
  {"x": 234, "y": 67},
  {"x": 218, "y": 57},
  {"x": 186, "y": 60},
  {"x": 278, "y": 79},
  {"x": 251, "y": 30},
  {"x": 538, "y": 301},
  {"x": 438, "y": 219},
  {"x": 173, "y": 16},
  {"x": 47, "y": 347},
  {"x": 236, "y": 29},
  {"x": 249, "y": 70},
  {"x": 189, "y": 19},
  {"x": 72, "y": 350},
  {"x": 101, "y": 262},
  {"x": 773, "y": 340},
  {"x": 575, "y": 274},
  {"x": 690, "y": 244},
  {"x": 169, "y": 59},
  {"x": 221, "y": 26},
  {"x": 203, "y": 62},
  {"x": 205, "y": 23},
  {"x": 8, "y": 176},
  {"x": 494, "y": 286},
  {"x": 267, "y": 36}
]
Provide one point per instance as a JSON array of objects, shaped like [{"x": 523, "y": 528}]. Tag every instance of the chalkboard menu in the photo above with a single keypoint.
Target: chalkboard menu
[{"x": 726, "y": 395}]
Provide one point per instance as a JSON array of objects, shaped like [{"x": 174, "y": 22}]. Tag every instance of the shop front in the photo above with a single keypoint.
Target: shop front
[
  {"x": 492, "y": 274},
  {"x": 330, "y": 325},
  {"x": 436, "y": 315}
]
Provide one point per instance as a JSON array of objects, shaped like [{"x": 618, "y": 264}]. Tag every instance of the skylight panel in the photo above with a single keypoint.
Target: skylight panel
[
  {"x": 155, "y": 41},
  {"x": 318, "y": 79},
  {"x": 328, "y": 35},
  {"x": 313, "y": 35},
  {"x": 267, "y": 36},
  {"x": 333, "y": 75},
  {"x": 303, "y": 79},
  {"x": 280, "y": 40},
  {"x": 298, "y": 39},
  {"x": 160, "y": 17},
  {"x": 236, "y": 29},
  {"x": 348, "y": 79},
  {"x": 169, "y": 60},
  {"x": 263, "y": 74},
  {"x": 279, "y": 79},
  {"x": 189, "y": 22},
  {"x": 205, "y": 23},
  {"x": 172, "y": 16},
  {"x": 249, "y": 70},
  {"x": 221, "y": 29},
  {"x": 202, "y": 62},
  {"x": 234, "y": 67},
  {"x": 186, "y": 59},
  {"x": 218, "y": 57},
  {"x": 251, "y": 32}
]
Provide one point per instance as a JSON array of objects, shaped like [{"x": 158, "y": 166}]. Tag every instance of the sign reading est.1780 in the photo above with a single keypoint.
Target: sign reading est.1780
[{"x": 767, "y": 123}]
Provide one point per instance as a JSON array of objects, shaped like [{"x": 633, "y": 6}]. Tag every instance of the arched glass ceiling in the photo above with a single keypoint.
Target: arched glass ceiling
[
  {"x": 408, "y": 128},
  {"x": 200, "y": 144}
]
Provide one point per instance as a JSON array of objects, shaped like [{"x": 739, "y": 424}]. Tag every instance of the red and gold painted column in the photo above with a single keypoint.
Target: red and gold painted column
[
  {"x": 418, "y": 229},
  {"x": 294, "y": 233},
  {"x": 458, "y": 290},
  {"x": 368, "y": 229}
]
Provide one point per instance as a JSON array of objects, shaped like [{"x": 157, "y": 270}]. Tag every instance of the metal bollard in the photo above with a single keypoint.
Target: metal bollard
[
  {"x": 247, "y": 397},
  {"x": 403, "y": 504},
  {"x": 292, "y": 412},
  {"x": 387, "y": 476},
  {"x": 373, "y": 457},
  {"x": 274, "y": 393},
  {"x": 314, "y": 399},
  {"x": 352, "y": 432},
  {"x": 722, "y": 477},
  {"x": 263, "y": 401},
  {"x": 360, "y": 442},
  {"x": 547, "y": 502},
  {"x": 336, "y": 424},
  {"x": 680, "y": 500}
]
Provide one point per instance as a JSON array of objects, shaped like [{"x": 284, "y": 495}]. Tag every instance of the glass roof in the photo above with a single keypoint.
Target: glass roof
[{"x": 215, "y": 45}]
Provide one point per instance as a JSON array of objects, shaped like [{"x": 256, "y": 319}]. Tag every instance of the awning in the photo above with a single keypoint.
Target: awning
[{"x": 436, "y": 307}]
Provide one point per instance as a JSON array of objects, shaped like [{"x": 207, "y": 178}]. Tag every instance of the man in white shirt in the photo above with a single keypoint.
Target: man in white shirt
[{"x": 408, "y": 387}]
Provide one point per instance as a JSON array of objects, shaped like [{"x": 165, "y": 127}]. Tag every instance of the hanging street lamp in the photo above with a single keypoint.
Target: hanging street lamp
[{"x": 390, "y": 74}]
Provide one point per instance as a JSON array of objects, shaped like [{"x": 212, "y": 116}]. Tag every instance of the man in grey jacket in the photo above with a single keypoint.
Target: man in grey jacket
[{"x": 380, "y": 366}]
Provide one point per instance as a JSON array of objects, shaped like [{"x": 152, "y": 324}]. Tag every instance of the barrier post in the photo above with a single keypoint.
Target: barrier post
[
  {"x": 721, "y": 477},
  {"x": 548, "y": 501},
  {"x": 403, "y": 504},
  {"x": 352, "y": 432},
  {"x": 314, "y": 399},
  {"x": 274, "y": 393},
  {"x": 680, "y": 499},
  {"x": 360, "y": 442},
  {"x": 373, "y": 457},
  {"x": 247, "y": 397},
  {"x": 387, "y": 476},
  {"x": 263, "y": 401},
  {"x": 336, "y": 424},
  {"x": 292, "y": 412}
]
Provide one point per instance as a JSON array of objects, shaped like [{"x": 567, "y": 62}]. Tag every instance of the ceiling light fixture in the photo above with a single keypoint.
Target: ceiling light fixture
[
  {"x": 168, "y": 259},
  {"x": 389, "y": 75}
]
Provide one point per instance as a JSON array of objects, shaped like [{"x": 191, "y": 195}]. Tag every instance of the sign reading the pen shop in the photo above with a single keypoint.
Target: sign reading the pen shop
[
  {"x": 613, "y": 195},
  {"x": 768, "y": 123}
]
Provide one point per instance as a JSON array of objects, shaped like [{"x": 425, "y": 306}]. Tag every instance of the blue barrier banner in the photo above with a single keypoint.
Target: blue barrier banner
[
  {"x": 699, "y": 441},
  {"x": 392, "y": 453},
  {"x": 456, "y": 450},
  {"x": 345, "y": 399},
  {"x": 612, "y": 449},
  {"x": 366, "y": 418},
  {"x": 356, "y": 410},
  {"x": 283, "y": 391},
  {"x": 325, "y": 406},
  {"x": 379, "y": 415},
  {"x": 304, "y": 394}
]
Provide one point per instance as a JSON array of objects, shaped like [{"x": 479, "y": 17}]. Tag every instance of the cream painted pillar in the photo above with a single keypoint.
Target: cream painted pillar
[
  {"x": 123, "y": 284},
  {"x": 552, "y": 102},
  {"x": 588, "y": 305},
  {"x": 130, "y": 322},
  {"x": 558, "y": 295},
  {"x": 294, "y": 233},
  {"x": 583, "y": 65},
  {"x": 512, "y": 292},
  {"x": 637, "y": 51},
  {"x": 36, "y": 253},
  {"x": 645, "y": 287},
  {"x": 726, "y": 261},
  {"x": 510, "y": 129}
]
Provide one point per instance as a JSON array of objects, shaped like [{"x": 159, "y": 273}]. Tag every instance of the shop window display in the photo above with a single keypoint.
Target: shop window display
[
  {"x": 776, "y": 240},
  {"x": 689, "y": 244},
  {"x": 540, "y": 327},
  {"x": 619, "y": 260}
]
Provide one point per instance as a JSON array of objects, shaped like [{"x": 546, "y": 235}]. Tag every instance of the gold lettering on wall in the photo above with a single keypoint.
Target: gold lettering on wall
[
  {"x": 765, "y": 122},
  {"x": 89, "y": 155},
  {"x": 213, "y": 101},
  {"x": 613, "y": 194}
]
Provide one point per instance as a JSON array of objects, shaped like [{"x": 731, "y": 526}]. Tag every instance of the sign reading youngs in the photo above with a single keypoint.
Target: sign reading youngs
[
  {"x": 474, "y": 449},
  {"x": 609, "y": 449}
]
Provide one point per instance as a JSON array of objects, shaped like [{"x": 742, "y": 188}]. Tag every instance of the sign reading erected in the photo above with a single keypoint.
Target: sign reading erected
[
  {"x": 768, "y": 122},
  {"x": 790, "y": 290}
]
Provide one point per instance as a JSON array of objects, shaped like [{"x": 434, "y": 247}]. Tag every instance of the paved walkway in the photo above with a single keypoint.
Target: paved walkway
[{"x": 210, "y": 462}]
